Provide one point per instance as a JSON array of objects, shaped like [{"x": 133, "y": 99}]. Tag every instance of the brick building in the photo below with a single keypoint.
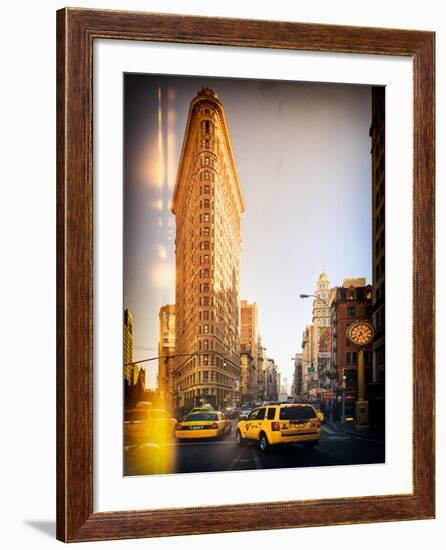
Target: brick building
[
  {"x": 351, "y": 302},
  {"x": 377, "y": 134}
]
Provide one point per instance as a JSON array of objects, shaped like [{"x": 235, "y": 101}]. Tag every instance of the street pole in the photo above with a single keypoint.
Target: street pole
[
  {"x": 362, "y": 406},
  {"x": 331, "y": 349}
]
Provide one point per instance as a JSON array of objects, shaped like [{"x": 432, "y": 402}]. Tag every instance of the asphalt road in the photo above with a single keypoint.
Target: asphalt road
[{"x": 335, "y": 448}]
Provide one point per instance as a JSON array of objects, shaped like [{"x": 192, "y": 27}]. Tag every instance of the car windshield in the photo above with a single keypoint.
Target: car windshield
[
  {"x": 201, "y": 416},
  {"x": 134, "y": 416},
  {"x": 297, "y": 413}
]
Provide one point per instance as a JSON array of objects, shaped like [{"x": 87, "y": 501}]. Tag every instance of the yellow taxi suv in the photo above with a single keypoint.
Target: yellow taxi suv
[
  {"x": 280, "y": 424},
  {"x": 203, "y": 424}
]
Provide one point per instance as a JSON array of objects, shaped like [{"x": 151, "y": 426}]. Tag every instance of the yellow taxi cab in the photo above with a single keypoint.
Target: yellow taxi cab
[
  {"x": 280, "y": 424},
  {"x": 202, "y": 408},
  {"x": 317, "y": 406},
  {"x": 146, "y": 424},
  {"x": 203, "y": 424}
]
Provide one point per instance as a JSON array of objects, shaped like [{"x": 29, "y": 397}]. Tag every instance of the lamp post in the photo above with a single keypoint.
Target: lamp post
[{"x": 332, "y": 374}]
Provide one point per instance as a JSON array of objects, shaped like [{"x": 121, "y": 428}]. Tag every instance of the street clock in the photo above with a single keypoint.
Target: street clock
[{"x": 360, "y": 333}]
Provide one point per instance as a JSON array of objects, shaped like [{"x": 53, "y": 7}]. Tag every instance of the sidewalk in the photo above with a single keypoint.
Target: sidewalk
[{"x": 373, "y": 433}]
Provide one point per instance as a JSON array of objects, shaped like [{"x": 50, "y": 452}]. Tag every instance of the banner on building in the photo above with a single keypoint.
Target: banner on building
[
  {"x": 324, "y": 344},
  {"x": 168, "y": 322}
]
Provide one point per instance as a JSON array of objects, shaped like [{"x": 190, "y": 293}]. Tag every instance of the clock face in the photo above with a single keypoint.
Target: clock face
[{"x": 361, "y": 333}]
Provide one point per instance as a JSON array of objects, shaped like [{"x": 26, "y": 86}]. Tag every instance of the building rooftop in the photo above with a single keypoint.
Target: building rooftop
[
  {"x": 356, "y": 282},
  {"x": 208, "y": 92}
]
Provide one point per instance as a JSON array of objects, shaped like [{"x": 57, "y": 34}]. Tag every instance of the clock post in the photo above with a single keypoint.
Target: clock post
[
  {"x": 360, "y": 334},
  {"x": 362, "y": 406}
]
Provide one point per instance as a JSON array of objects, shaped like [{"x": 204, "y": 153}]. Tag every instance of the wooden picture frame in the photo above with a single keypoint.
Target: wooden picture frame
[{"x": 76, "y": 31}]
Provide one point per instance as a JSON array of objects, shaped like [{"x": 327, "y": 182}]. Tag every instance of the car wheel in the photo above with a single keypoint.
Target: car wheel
[
  {"x": 239, "y": 440},
  {"x": 263, "y": 443}
]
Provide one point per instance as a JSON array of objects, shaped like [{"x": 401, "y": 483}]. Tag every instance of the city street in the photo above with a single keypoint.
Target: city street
[{"x": 335, "y": 448}]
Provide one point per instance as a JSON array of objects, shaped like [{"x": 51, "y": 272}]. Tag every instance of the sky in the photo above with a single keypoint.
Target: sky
[{"x": 303, "y": 157}]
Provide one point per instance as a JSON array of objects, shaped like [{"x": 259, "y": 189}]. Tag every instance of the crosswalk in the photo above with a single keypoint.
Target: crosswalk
[{"x": 333, "y": 435}]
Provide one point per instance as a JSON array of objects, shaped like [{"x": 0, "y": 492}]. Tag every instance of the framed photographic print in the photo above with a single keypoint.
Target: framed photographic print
[{"x": 245, "y": 275}]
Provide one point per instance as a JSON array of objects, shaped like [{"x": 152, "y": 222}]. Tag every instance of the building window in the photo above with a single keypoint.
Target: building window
[
  {"x": 354, "y": 357},
  {"x": 205, "y": 315},
  {"x": 204, "y": 245},
  {"x": 206, "y": 161},
  {"x": 205, "y": 345},
  {"x": 206, "y": 203},
  {"x": 206, "y": 259},
  {"x": 206, "y": 329},
  {"x": 348, "y": 357},
  {"x": 206, "y": 175},
  {"x": 206, "y": 217},
  {"x": 206, "y": 189},
  {"x": 205, "y": 360},
  {"x": 351, "y": 311},
  {"x": 204, "y": 287}
]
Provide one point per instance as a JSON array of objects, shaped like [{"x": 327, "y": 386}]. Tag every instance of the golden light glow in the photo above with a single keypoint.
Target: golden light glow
[
  {"x": 162, "y": 276},
  {"x": 171, "y": 145},
  {"x": 162, "y": 252},
  {"x": 153, "y": 451},
  {"x": 152, "y": 168},
  {"x": 157, "y": 205}
]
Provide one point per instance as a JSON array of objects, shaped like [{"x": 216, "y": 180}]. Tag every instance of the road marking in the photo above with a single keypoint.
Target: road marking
[
  {"x": 236, "y": 460},
  {"x": 328, "y": 430},
  {"x": 186, "y": 443},
  {"x": 257, "y": 462},
  {"x": 365, "y": 438}
]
